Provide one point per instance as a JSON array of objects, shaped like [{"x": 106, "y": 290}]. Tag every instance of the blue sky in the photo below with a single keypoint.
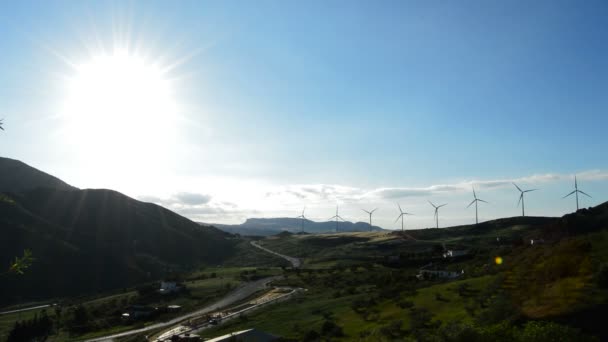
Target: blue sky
[{"x": 284, "y": 104}]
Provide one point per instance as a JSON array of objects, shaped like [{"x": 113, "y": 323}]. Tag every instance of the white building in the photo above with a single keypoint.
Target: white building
[
  {"x": 425, "y": 274},
  {"x": 167, "y": 287},
  {"x": 450, "y": 253}
]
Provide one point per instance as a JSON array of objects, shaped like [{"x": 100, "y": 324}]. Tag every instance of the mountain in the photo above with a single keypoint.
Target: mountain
[
  {"x": 18, "y": 177},
  {"x": 271, "y": 226},
  {"x": 86, "y": 241}
]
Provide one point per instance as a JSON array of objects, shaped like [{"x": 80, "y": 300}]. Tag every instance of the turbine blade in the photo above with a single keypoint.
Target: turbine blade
[
  {"x": 530, "y": 190},
  {"x": 365, "y": 211},
  {"x": 480, "y": 200},
  {"x": 470, "y": 204},
  {"x": 517, "y": 187},
  {"x": 408, "y": 214},
  {"x": 398, "y": 217},
  {"x": 373, "y": 210},
  {"x": 474, "y": 194},
  {"x": 399, "y": 208},
  {"x": 432, "y": 204},
  {"x": 584, "y": 193},
  {"x": 569, "y": 194},
  {"x": 442, "y": 205},
  {"x": 520, "y": 198}
]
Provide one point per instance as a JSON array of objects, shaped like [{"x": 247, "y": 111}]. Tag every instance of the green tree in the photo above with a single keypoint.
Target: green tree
[{"x": 22, "y": 263}]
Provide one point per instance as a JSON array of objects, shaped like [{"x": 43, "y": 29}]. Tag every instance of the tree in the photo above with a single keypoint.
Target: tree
[{"x": 22, "y": 263}]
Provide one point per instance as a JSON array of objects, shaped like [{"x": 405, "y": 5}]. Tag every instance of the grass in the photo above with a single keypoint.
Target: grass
[
  {"x": 7, "y": 321},
  {"x": 204, "y": 286},
  {"x": 311, "y": 309}
]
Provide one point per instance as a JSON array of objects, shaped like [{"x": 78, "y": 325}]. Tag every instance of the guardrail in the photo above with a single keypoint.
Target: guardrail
[{"x": 232, "y": 315}]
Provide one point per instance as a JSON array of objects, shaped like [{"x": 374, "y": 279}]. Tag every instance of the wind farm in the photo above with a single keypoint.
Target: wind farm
[{"x": 221, "y": 171}]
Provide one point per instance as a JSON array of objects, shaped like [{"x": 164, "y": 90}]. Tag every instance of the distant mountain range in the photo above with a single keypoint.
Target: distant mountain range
[
  {"x": 271, "y": 226},
  {"x": 91, "y": 240}
]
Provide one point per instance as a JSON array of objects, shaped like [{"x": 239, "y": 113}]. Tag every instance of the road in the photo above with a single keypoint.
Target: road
[
  {"x": 25, "y": 309},
  {"x": 240, "y": 293},
  {"x": 295, "y": 262}
]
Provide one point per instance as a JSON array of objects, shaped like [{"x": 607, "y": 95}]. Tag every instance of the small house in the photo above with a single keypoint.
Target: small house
[
  {"x": 167, "y": 287},
  {"x": 452, "y": 253}
]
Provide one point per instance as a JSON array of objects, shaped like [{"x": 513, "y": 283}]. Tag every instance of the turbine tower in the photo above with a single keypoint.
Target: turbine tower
[
  {"x": 401, "y": 216},
  {"x": 302, "y": 218},
  {"x": 370, "y": 217},
  {"x": 576, "y": 192},
  {"x": 475, "y": 201},
  {"x": 437, "y": 212},
  {"x": 337, "y": 217},
  {"x": 521, "y": 198}
]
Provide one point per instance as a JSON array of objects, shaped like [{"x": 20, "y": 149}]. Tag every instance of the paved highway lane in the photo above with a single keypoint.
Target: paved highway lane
[
  {"x": 238, "y": 294},
  {"x": 295, "y": 262},
  {"x": 26, "y": 309}
]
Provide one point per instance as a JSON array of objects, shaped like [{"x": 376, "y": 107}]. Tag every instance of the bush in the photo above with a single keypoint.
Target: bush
[
  {"x": 602, "y": 276},
  {"x": 549, "y": 332},
  {"x": 311, "y": 336},
  {"x": 330, "y": 328}
]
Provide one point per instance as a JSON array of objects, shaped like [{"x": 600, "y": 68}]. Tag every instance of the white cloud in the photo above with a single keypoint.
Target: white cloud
[{"x": 230, "y": 202}]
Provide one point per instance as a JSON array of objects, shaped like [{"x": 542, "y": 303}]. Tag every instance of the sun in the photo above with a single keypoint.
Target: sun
[{"x": 119, "y": 108}]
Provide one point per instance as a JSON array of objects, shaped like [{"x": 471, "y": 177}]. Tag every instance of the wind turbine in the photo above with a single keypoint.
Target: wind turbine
[
  {"x": 370, "y": 217},
  {"x": 437, "y": 212},
  {"x": 401, "y": 216},
  {"x": 337, "y": 217},
  {"x": 521, "y": 198},
  {"x": 302, "y": 218},
  {"x": 475, "y": 201},
  {"x": 576, "y": 192}
]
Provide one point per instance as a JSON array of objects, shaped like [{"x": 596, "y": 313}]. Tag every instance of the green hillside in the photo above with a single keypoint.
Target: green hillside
[
  {"x": 362, "y": 286},
  {"x": 92, "y": 240}
]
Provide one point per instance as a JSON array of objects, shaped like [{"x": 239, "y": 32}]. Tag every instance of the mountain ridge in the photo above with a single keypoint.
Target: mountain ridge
[
  {"x": 275, "y": 225},
  {"x": 94, "y": 240}
]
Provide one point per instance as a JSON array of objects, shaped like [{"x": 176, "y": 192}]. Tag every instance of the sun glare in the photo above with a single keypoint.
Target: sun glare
[{"x": 119, "y": 108}]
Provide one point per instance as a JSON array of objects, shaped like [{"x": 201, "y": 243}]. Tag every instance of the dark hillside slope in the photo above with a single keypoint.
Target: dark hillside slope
[
  {"x": 16, "y": 176},
  {"x": 91, "y": 240},
  {"x": 498, "y": 226}
]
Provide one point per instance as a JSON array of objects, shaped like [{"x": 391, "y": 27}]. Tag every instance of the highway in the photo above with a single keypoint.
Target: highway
[
  {"x": 25, "y": 309},
  {"x": 238, "y": 294},
  {"x": 295, "y": 262}
]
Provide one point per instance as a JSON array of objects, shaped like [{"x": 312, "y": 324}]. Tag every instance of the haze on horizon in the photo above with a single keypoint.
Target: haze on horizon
[{"x": 227, "y": 110}]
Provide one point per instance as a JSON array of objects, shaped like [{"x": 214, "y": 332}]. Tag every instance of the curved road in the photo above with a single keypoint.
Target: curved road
[
  {"x": 239, "y": 294},
  {"x": 295, "y": 262}
]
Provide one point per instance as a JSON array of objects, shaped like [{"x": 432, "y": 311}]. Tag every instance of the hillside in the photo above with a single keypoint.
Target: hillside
[
  {"x": 85, "y": 241},
  {"x": 364, "y": 286},
  {"x": 17, "y": 176},
  {"x": 271, "y": 226}
]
